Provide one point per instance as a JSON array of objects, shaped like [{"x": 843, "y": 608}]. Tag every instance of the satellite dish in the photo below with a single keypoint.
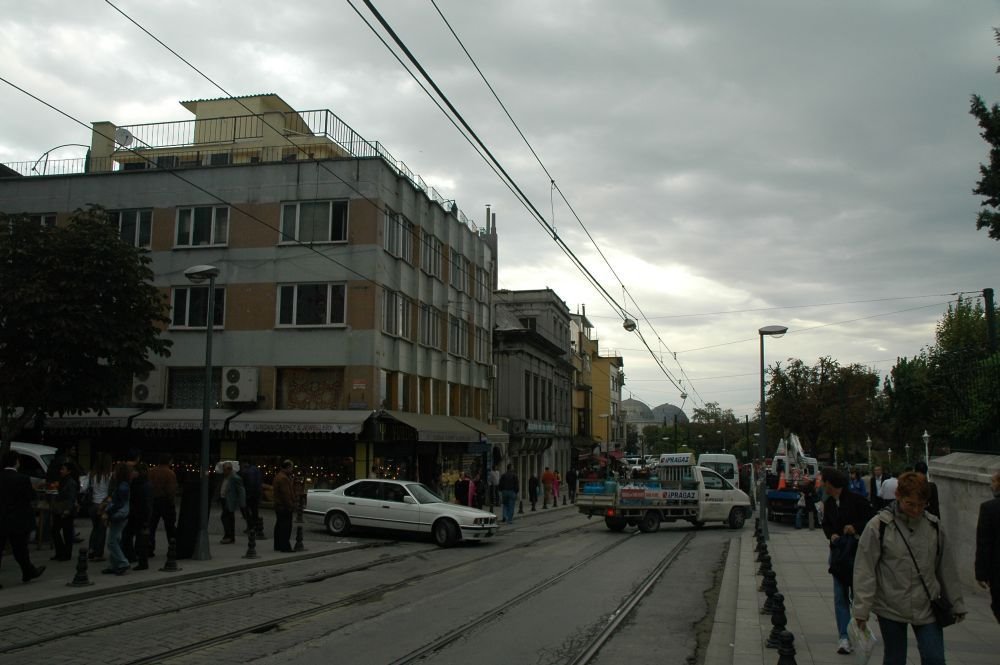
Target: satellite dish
[{"x": 123, "y": 137}]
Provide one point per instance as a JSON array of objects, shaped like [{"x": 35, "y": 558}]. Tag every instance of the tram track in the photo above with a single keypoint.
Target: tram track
[{"x": 360, "y": 597}]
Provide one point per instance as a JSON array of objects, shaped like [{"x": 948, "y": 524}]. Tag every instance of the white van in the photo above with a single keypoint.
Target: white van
[
  {"x": 35, "y": 459},
  {"x": 723, "y": 464}
]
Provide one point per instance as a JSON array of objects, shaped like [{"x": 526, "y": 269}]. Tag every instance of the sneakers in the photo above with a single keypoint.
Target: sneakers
[{"x": 844, "y": 646}]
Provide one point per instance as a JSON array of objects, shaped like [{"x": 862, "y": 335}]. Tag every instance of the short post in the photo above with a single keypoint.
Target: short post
[
  {"x": 299, "y": 547},
  {"x": 170, "y": 565},
  {"x": 81, "y": 578},
  {"x": 260, "y": 529},
  {"x": 251, "y": 544},
  {"x": 520, "y": 507},
  {"x": 786, "y": 652},
  {"x": 778, "y": 622}
]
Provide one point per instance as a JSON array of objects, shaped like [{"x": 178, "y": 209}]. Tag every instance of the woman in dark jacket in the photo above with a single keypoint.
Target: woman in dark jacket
[{"x": 116, "y": 516}]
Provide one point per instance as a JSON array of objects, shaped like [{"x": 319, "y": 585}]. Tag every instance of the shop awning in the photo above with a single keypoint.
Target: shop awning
[
  {"x": 182, "y": 419},
  {"x": 492, "y": 434},
  {"x": 435, "y": 428},
  {"x": 300, "y": 421},
  {"x": 111, "y": 418}
]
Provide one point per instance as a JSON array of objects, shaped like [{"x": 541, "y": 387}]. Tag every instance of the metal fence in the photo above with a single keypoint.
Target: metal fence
[{"x": 968, "y": 396}]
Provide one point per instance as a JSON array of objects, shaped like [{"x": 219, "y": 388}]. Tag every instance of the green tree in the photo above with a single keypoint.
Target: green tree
[
  {"x": 989, "y": 182},
  {"x": 79, "y": 316}
]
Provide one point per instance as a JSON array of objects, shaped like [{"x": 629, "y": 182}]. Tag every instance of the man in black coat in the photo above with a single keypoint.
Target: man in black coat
[
  {"x": 17, "y": 517},
  {"x": 875, "y": 488},
  {"x": 844, "y": 517},
  {"x": 988, "y": 545}
]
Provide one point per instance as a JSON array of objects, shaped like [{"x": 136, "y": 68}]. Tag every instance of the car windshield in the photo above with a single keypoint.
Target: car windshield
[{"x": 423, "y": 494}]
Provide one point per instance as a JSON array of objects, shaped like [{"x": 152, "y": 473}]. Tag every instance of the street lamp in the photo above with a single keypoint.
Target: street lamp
[
  {"x": 869, "y": 442},
  {"x": 766, "y": 331},
  {"x": 927, "y": 439},
  {"x": 890, "y": 458},
  {"x": 197, "y": 275},
  {"x": 907, "y": 446},
  {"x": 722, "y": 438}
]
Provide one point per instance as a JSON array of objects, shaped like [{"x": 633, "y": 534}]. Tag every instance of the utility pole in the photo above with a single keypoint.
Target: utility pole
[{"x": 991, "y": 322}]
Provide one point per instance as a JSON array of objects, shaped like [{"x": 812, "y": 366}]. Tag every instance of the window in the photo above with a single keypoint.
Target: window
[
  {"x": 190, "y": 304},
  {"x": 311, "y": 304},
  {"x": 135, "y": 227},
  {"x": 206, "y": 225},
  {"x": 396, "y": 314},
  {"x": 219, "y": 159},
  {"x": 458, "y": 336},
  {"x": 398, "y": 236},
  {"x": 457, "y": 270},
  {"x": 367, "y": 489},
  {"x": 314, "y": 221},
  {"x": 430, "y": 255},
  {"x": 47, "y": 219},
  {"x": 482, "y": 345},
  {"x": 430, "y": 326},
  {"x": 483, "y": 285}
]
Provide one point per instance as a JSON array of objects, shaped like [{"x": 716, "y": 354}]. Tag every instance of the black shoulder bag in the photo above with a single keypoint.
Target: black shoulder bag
[{"x": 942, "y": 608}]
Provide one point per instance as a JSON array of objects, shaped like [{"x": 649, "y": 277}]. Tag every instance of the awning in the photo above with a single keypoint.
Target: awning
[
  {"x": 117, "y": 417},
  {"x": 435, "y": 428},
  {"x": 179, "y": 419},
  {"x": 299, "y": 421},
  {"x": 492, "y": 434}
]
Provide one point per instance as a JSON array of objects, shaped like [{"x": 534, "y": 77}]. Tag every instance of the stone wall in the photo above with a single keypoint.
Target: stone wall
[{"x": 963, "y": 482}]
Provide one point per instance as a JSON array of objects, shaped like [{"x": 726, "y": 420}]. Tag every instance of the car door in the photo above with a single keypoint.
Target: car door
[
  {"x": 715, "y": 499},
  {"x": 398, "y": 509},
  {"x": 362, "y": 503}
]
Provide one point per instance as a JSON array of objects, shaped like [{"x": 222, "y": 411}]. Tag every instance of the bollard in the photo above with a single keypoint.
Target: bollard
[
  {"x": 251, "y": 544},
  {"x": 260, "y": 529},
  {"x": 812, "y": 520},
  {"x": 786, "y": 652},
  {"x": 765, "y": 564},
  {"x": 298, "y": 513},
  {"x": 564, "y": 499},
  {"x": 81, "y": 579},
  {"x": 299, "y": 547},
  {"x": 170, "y": 565},
  {"x": 769, "y": 585},
  {"x": 761, "y": 552},
  {"x": 770, "y": 606},
  {"x": 778, "y": 622},
  {"x": 520, "y": 507}
]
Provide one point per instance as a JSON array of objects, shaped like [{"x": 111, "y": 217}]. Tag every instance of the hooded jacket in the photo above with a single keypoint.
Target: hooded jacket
[{"x": 885, "y": 578}]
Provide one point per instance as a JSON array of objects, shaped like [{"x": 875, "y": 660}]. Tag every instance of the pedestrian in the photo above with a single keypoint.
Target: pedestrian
[
  {"x": 533, "y": 490},
  {"x": 509, "y": 487},
  {"x": 493, "y": 480},
  {"x": 857, "y": 484},
  {"x": 875, "y": 488},
  {"x": 571, "y": 478},
  {"x": 556, "y": 482},
  {"x": 97, "y": 487},
  {"x": 904, "y": 560},
  {"x": 887, "y": 493},
  {"x": 63, "y": 512},
  {"x": 462, "y": 489},
  {"x": 17, "y": 517},
  {"x": 284, "y": 505},
  {"x": 547, "y": 479},
  {"x": 232, "y": 497},
  {"x": 115, "y": 517},
  {"x": 135, "y": 536},
  {"x": 933, "y": 504},
  {"x": 163, "y": 492},
  {"x": 988, "y": 545},
  {"x": 253, "y": 485},
  {"x": 475, "y": 492},
  {"x": 844, "y": 517}
]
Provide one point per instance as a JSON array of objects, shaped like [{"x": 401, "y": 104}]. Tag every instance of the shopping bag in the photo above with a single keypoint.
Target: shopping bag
[{"x": 863, "y": 641}]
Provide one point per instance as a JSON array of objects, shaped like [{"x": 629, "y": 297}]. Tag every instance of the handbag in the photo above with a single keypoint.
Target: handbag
[{"x": 944, "y": 612}]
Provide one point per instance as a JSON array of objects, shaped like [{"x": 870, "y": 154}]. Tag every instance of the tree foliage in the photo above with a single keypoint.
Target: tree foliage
[
  {"x": 989, "y": 182},
  {"x": 79, "y": 316}
]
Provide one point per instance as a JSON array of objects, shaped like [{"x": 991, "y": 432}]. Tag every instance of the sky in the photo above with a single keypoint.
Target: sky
[{"x": 736, "y": 164}]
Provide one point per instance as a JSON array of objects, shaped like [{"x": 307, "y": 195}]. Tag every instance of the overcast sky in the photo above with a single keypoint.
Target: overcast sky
[{"x": 739, "y": 164}]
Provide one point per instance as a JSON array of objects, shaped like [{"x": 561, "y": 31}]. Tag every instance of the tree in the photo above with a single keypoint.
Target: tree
[
  {"x": 79, "y": 316},
  {"x": 989, "y": 182}
]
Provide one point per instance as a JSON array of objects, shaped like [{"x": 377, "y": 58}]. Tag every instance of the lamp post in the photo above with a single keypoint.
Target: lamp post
[
  {"x": 666, "y": 444},
  {"x": 927, "y": 439},
  {"x": 890, "y": 458},
  {"x": 868, "y": 440},
  {"x": 907, "y": 446},
  {"x": 197, "y": 275},
  {"x": 722, "y": 438},
  {"x": 766, "y": 331}
]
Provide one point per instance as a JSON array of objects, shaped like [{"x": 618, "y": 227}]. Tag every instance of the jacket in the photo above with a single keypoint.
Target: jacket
[
  {"x": 118, "y": 508},
  {"x": 235, "y": 496},
  {"x": 885, "y": 578},
  {"x": 16, "y": 494},
  {"x": 284, "y": 492},
  {"x": 853, "y": 510},
  {"x": 988, "y": 542}
]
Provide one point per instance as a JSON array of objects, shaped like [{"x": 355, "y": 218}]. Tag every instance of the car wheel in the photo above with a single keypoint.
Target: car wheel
[
  {"x": 650, "y": 522},
  {"x": 337, "y": 524},
  {"x": 614, "y": 523},
  {"x": 736, "y": 518},
  {"x": 445, "y": 533}
]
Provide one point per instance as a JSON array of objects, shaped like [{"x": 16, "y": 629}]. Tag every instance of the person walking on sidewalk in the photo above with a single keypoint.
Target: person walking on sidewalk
[
  {"x": 284, "y": 506},
  {"x": 533, "y": 490},
  {"x": 988, "y": 545},
  {"x": 116, "y": 515},
  {"x": 232, "y": 498},
  {"x": 844, "y": 517},
  {"x": 493, "y": 480},
  {"x": 163, "y": 490},
  {"x": 571, "y": 478},
  {"x": 875, "y": 488},
  {"x": 98, "y": 481},
  {"x": 17, "y": 517},
  {"x": 254, "y": 487},
  {"x": 903, "y": 561},
  {"x": 548, "y": 478},
  {"x": 508, "y": 493}
]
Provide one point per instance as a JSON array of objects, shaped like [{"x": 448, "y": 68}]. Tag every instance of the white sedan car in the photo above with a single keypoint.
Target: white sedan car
[{"x": 399, "y": 505}]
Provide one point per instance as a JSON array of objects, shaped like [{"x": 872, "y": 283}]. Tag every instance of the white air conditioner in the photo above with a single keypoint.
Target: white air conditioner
[
  {"x": 239, "y": 384},
  {"x": 150, "y": 387},
  {"x": 491, "y": 372}
]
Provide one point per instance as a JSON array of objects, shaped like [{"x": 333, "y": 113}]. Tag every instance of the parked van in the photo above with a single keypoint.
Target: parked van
[{"x": 723, "y": 464}]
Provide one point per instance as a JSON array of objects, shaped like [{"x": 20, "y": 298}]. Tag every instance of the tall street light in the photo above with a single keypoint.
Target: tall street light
[
  {"x": 927, "y": 458},
  {"x": 766, "y": 331},
  {"x": 868, "y": 440},
  {"x": 197, "y": 275}
]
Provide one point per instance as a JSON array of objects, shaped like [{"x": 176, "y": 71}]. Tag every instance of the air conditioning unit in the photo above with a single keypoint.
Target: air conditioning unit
[
  {"x": 150, "y": 387},
  {"x": 491, "y": 372},
  {"x": 239, "y": 384}
]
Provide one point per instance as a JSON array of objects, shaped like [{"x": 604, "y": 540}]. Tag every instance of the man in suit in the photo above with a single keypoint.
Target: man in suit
[
  {"x": 17, "y": 517},
  {"x": 988, "y": 545},
  {"x": 875, "y": 488}
]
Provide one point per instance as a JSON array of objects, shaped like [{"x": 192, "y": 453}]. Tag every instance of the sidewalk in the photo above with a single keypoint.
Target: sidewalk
[{"x": 798, "y": 558}]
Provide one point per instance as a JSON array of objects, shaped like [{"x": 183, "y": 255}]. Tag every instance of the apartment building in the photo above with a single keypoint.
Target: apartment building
[{"x": 353, "y": 305}]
